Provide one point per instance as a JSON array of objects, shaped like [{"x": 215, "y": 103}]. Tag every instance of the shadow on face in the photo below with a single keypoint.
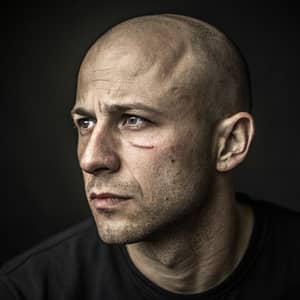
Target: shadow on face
[{"x": 144, "y": 94}]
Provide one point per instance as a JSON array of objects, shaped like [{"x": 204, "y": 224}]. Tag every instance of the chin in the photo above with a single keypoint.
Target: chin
[
  {"x": 118, "y": 237},
  {"x": 119, "y": 233},
  {"x": 122, "y": 232}
]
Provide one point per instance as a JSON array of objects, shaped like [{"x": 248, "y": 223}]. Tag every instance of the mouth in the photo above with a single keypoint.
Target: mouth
[{"x": 106, "y": 202}]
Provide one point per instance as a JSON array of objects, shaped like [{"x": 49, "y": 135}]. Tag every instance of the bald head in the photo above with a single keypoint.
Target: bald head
[
  {"x": 187, "y": 54},
  {"x": 153, "y": 112}
]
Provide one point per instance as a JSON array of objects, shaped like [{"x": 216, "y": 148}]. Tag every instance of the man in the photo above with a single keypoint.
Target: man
[{"x": 163, "y": 117}]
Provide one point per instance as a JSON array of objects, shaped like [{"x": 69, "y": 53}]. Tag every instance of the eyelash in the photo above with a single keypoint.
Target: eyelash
[
  {"x": 78, "y": 122},
  {"x": 124, "y": 118}
]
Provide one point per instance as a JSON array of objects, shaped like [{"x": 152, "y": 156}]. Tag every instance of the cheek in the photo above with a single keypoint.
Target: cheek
[
  {"x": 160, "y": 165},
  {"x": 169, "y": 180},
  {"x": 180, "y": 164},
  {"x": 179, "y": 154},
  {"x": 88, "y": 181},
  {"x": 81, "y": 144},
  {"x": 143, "y": 140}
]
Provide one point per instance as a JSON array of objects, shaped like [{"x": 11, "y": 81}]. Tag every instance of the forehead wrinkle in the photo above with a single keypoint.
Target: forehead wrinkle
[
  {"x": 107, "y": 72},
  {"x": 106, "y": 75},
  {"x": 80, "y": 98},
  {"x": 173, "y": 70},
  {"x": 106, "y": 87},
  {"x": 176, "y": 89},
  {"x": 134, "y": 55},
  {"x": 111, "y": 63}
]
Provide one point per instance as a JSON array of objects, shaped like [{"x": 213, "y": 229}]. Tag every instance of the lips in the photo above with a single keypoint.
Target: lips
[{"x": 107, "y": 201}]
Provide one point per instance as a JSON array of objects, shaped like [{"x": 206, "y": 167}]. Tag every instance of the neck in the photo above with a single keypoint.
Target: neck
[{"x": 198, "y": 252}]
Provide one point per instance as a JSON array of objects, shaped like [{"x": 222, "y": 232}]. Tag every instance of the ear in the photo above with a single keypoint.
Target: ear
[{"x": 233, "y": 137}]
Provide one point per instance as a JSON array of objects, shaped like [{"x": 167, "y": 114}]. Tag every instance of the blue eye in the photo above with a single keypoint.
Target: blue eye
[{"x": 134, "y": 122}]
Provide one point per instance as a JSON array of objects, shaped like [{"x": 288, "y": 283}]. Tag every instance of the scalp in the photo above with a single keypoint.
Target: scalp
[{"x": 193, "y": 53}]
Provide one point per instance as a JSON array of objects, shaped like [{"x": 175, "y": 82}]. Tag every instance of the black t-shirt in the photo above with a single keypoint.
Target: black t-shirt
[{"x": 77, "y": 265}]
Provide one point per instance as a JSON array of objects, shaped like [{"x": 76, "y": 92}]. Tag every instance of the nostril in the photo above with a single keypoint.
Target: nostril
[{"x": 99, "y": 162}]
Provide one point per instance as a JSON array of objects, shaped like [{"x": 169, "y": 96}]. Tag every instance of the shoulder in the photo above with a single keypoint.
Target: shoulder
[
  {"x": 58, "y": 249},
  {"x": 65, "y": 264},
  {"x": 280, "y": 226},
  {"x": 283, "y": 228},
  {"x": 279, "y": 229},
  {"x": 57, "y": 266},
  {"x": 280, "y": 216},
  {"x": 275, "y": 246}
]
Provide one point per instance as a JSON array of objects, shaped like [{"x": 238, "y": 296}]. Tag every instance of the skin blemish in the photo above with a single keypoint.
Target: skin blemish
[{"x": 173, "y": 149}]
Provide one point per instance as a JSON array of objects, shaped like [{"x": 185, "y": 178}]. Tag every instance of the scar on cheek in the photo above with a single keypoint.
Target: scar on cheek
[{"x": 143, "y": 146}]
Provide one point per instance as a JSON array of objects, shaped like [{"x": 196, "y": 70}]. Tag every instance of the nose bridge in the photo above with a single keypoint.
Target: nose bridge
[{"x": 98, "y": 152}]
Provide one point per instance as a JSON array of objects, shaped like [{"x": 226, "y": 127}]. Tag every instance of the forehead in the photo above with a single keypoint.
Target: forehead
[{"x": 156, "y": 72}]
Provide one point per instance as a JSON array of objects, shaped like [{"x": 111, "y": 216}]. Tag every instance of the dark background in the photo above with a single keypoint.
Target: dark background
[{"x": 41, "y": 49}]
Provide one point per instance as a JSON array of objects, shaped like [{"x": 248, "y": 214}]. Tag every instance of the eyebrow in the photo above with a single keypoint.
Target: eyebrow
[
  {"x": 81, "y": 111},
  {"x": 115, "y": 108}
]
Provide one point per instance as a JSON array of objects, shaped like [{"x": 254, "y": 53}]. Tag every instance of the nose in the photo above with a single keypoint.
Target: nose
[{"x": 96, "y": 152}]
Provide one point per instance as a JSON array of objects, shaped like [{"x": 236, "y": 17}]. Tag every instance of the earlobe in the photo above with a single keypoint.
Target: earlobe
[{"x": 234, "y": 136}]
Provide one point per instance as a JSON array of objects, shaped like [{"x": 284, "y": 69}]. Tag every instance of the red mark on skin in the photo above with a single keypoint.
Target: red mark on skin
[
  {"x": 173, "y": 149},
  {"x": 143, "y": 147}
]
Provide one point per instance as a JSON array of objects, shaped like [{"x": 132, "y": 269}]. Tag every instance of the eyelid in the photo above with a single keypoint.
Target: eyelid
[
  {"x": 77, "y": 120},
  {"x": 78, "y": 117},
  {"x": 140, "y": 125},
  {"x": 126, "y": 116}
]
